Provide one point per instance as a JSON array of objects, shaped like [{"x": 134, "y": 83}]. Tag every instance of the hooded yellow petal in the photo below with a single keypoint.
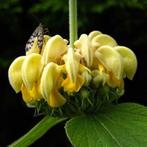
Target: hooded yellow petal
[
  {"x": 31, "y": 70},
  {"x": 72, "y": 61},
  {"x": 93, "y": 34},
  {"x": 129, "y": 61},
  {"x": 49, "y": 85},
  {"x": 14, "y": 73},
  {"x": 84, "y": 45},
  {"x": 111, "y": 60},
  {"x": 50, "y": 76},
  {"x": 103, "y": 39},
  {"x": 54, "y": 49}
]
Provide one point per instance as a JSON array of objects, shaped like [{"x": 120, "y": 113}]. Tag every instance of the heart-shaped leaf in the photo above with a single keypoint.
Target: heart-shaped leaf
[{"x": 123, "y": 125}]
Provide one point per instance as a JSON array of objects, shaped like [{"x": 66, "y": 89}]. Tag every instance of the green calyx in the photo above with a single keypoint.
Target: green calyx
[{"x": 87, "y": 101}]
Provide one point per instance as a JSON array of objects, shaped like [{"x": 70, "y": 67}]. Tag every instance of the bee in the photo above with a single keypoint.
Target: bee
[{"x": 39, "y": 32}]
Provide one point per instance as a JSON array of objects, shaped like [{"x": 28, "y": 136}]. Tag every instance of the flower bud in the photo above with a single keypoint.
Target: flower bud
[
  {"x": 99, "y": 78},
  {"x": 87, "y": 77},
  {"x": 84, "y": 93}
]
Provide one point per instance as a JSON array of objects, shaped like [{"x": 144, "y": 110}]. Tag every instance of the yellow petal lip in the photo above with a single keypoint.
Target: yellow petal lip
[
  {"x": 70, "y": 87},
  {"x": 14, "y": 73},
  {"x": 31, "y": 96},
  {"x": 54, "y": 49},
  {"x": 103, "y": 39},
  {"x": 31, "y": 70},
  {"x": 56, "y": 99},
  {"x": 129, "y": 61},
  {"x": 111, "y": 60}
]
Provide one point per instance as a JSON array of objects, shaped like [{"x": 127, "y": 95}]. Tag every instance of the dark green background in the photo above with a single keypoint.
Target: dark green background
[{"x": 125, "y": 20}]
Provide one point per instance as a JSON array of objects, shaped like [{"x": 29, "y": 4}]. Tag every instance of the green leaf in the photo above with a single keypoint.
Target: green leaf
[
  {"x": 122, "y": 125},
  {"x": 37, "y": 131}
]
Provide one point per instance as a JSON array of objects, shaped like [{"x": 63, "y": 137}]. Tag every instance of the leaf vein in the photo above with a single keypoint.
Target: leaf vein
[{"x": 109, "y": 132}]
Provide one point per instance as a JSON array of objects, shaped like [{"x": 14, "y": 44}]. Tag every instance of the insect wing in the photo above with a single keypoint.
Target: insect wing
[{"x": 39, "y": 32}]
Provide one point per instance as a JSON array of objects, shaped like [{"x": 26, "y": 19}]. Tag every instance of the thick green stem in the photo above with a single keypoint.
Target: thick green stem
[
  {"x": 36, "y": 132},
  {"x": 72, "y": 21}
]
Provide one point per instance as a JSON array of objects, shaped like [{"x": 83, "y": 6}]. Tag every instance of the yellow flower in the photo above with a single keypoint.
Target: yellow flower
[
  {"x": 111, "y": 60},
  {"x": 129, "y": 61},
  {"x": 57, "y": 70},
  {"x": 74, "y": 80},
  {"x": 84, "y": 45},
  {"x": 54, "y": 49},
  {"x": 101, "y": 50},
  {"x": 35, "y": 49},
  {"x": 24, "y": 74},
  {"x": 119, "y": 62},
  {"x": 50, "y": 84}
]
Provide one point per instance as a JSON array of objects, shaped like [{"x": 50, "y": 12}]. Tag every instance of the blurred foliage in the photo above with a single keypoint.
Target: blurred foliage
[
  {"x": 106, "y": 4},
  {"x": 13, "y": 5},
  {"x": 51, "y": 10},
  {"x": 41, "y": 6},
  {"x": 41, "y": 10}
]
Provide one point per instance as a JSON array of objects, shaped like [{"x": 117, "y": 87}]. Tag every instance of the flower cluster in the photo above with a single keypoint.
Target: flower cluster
[{"x": 59, "y": 74}]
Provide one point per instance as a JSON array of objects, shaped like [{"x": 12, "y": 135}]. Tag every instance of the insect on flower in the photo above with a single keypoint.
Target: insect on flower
[{"x": 39, "y": 32}]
